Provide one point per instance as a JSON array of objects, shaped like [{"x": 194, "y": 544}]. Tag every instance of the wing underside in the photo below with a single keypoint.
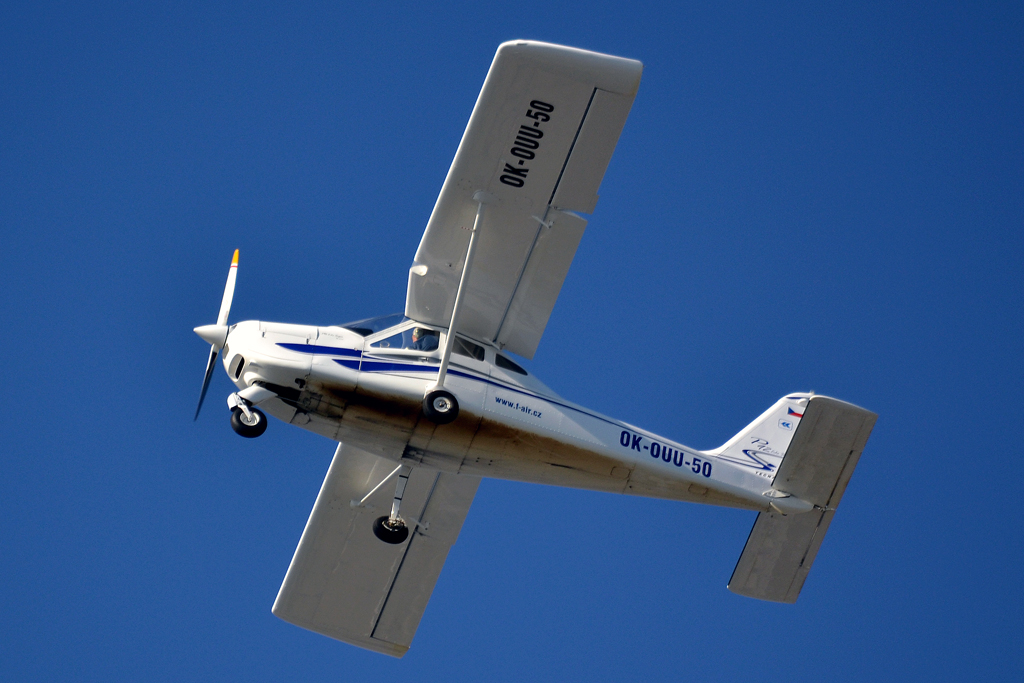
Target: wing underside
[
  {"x": 345, "y": 583},
  {"x": 538, "y": 143}
]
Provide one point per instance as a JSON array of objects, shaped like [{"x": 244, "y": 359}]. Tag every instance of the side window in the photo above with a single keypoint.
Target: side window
[
  {"x": 506, "y": 364},
  {"x": 464, "y": 347},
  {"x": 415, "y": 339},
  {"x": 393, "y": 342},
  {"x": 422, "y": 339}
]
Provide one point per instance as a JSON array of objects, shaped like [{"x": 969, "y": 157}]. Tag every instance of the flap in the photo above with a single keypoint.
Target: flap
[
  {"x": 345, "y": 583},
  {"x": 542, "y": 279}
]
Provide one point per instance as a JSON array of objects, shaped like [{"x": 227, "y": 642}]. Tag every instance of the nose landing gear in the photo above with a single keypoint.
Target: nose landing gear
[
  {"x": 249, "y": 423},
  {"x": 246, "y": 419}
]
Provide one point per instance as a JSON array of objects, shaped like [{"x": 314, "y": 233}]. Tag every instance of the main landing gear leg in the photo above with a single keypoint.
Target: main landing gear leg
[
  {"x": 392, "y": 528},
  {"x": 441, "y": 406}
]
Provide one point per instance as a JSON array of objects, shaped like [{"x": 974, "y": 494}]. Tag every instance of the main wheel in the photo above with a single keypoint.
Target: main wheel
[
  {"x": 388, "y": 532},
  {"x": 440, "y": 407},
  {"x": 243, "y": 426}
]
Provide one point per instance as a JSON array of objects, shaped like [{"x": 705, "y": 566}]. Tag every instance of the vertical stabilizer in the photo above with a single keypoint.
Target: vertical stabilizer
[{"x": 765, "y": 441}]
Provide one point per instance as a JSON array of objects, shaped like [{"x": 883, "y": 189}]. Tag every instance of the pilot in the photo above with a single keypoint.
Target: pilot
[{"x": 423, "y": 339}]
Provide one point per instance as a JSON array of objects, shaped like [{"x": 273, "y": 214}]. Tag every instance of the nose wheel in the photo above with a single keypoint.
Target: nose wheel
[{"x": 250, "y": 423}]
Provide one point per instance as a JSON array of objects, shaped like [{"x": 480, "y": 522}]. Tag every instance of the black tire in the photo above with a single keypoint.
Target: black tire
[
  {"x": 249, "y": 431},
  {"x": 394, "y": 535},
  {"x": 440, "y": 407}
]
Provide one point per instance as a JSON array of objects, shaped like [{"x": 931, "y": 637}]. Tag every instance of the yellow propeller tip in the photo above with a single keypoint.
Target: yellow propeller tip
[{"x": 234, "y": 259}]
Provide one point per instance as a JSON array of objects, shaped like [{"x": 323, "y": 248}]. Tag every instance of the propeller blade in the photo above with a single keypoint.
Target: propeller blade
[
  {"x": 206, "y": 379},
  {"x": 229, "y": 291},
  {"x": 217, "y": 334}
]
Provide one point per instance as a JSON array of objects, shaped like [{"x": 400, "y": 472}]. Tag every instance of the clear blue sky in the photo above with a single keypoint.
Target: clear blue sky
[{"x": 809, "y": 197}]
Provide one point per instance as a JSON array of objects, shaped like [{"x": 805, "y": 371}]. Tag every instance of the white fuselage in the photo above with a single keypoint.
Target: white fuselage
[{"x": 347, "y": 387}]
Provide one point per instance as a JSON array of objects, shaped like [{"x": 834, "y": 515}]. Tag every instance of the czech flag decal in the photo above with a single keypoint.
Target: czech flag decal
[{"x": 794, "y": 413}]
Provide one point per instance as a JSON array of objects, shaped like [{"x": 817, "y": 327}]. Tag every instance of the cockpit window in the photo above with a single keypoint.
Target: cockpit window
[
  {"x": 464, "y": 347},
  {"x": 372, "y": 325},
  {"x": 506, "y": 364},
  {"x": 414, "y": 339}
]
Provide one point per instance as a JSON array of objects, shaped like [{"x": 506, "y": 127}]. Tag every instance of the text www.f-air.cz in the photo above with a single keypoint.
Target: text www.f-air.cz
[{"x": 515, "y": 406}]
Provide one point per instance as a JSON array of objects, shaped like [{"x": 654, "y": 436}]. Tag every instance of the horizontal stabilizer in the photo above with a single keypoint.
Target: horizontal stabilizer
[{"x": 816, "y": 468}]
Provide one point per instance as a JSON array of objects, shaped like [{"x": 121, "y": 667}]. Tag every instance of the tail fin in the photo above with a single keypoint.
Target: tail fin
[
  {"x": 765, "y": 441},
  {"x": 817, "y": 463}
]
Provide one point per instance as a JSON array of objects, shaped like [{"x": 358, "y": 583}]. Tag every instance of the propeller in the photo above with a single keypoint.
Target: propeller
[{"x": 217, "y": 334}]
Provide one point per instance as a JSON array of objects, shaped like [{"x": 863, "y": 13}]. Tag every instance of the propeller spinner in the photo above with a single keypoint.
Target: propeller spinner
[{"x": 217, "y": 334}]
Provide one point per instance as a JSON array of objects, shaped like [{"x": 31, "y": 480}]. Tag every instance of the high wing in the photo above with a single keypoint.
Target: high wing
[
  {"x": 538, "y": 142},
  {"x": 345, "y": 583}
]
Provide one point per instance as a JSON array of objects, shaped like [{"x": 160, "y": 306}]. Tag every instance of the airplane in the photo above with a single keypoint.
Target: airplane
[{"x": 425, "y": 403}]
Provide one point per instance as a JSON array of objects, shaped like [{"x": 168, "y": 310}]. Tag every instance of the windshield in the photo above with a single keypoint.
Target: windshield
[
  {"x": 371, "y": 325},
  {"x": 414, "y": 338}
]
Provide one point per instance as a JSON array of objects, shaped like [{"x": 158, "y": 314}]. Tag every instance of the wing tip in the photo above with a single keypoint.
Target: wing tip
[
  {"x": 361, "y": 640},
  {"x": 610, "y": 72}
]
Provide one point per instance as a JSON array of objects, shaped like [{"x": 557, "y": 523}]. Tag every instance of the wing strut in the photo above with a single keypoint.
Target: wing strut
[{"x": 481, "y": 198}]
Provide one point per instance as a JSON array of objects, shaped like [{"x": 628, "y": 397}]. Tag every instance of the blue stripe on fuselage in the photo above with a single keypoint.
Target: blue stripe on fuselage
[
  {"x": 380, "y": 366},
  {"x": 314, "y": 348}
]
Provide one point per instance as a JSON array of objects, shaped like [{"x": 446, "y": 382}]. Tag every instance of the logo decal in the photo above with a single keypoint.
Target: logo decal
[{"x": 786, "y": 424}]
